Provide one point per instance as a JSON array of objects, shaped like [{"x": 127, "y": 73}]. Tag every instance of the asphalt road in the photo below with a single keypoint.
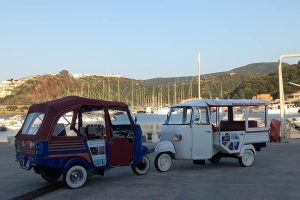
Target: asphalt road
[{"x": 275, "y": 175}]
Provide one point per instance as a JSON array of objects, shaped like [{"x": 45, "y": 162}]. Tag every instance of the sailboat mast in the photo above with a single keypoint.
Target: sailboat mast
[
  {"x": 221, "y": 91},
  {"x": 199, "y": 72},
  {"x": 118, "y": 88},
  {"x": 168, "y": 95},
  {"x": 132, "y": 94}
]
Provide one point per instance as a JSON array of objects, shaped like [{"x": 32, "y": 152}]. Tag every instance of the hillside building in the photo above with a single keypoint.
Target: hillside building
[
  {"x": 293, "y": 96},
  {"x": 266, "y": 97},
  {"x": 6, "y": 87}
]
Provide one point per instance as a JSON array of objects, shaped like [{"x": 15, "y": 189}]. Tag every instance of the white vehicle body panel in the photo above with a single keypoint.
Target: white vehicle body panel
[
  {"x": 202, "y": 142},
  {"x": 180, "y": 136},
  {"x": 199, "y": 141},
  {"x": 165, "y": 146}
]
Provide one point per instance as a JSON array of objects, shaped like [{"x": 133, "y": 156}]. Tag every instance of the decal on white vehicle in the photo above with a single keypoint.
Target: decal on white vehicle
[{"x": 231, "y": 140}]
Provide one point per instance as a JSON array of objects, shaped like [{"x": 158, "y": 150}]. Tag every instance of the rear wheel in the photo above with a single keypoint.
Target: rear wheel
[
  {"x": 247, "y": 159},
  {"x": 142, "y": 167},
  {"x": 51, "y": 175},
  {"x": 163, "y": 162},
  {"x": 75, "y": 177}
]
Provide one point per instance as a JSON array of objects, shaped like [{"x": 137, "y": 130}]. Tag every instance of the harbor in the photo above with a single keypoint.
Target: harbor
[
  {"x": 151, "y": 123},
  {"x": 163, "y": 100}
]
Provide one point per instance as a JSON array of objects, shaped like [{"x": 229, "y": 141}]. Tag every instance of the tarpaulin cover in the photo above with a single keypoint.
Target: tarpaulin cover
[{"x": 275, "y": 130}]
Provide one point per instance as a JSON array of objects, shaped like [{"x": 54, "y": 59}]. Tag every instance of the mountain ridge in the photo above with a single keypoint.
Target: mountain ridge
[{"x": 236, "y": 83}]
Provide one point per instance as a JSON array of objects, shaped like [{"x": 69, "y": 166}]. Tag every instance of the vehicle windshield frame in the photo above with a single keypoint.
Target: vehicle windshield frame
[
  {"x": 177, "y": 107},
  {"x": 30, "y": 122}
]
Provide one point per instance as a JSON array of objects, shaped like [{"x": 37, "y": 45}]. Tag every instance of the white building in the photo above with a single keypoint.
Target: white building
[{"x": 6, "y": 87}]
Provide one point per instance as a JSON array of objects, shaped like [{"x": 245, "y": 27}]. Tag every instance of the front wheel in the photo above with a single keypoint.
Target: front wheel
[
  {"x": 75, "y": 177},
  {"x": 247, "y": 158},
  {"x": 163, "y": 162},
  {"x": 142, "y": 167}
]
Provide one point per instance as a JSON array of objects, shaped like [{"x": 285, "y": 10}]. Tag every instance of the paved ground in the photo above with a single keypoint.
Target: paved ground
[{"x": 275, "y": 175}]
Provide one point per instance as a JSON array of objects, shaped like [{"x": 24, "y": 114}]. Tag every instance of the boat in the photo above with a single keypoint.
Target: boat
[
  {"x": 292, "y": 110},
  {"x": 141, "y": 111},
  {"x": 12, "y": 123},
  {"x": 3, "y": 128},
  {"x": 149, "y": 110},
  {"x": 289, "y": 109},
  {"x": 162, "y": 111}
]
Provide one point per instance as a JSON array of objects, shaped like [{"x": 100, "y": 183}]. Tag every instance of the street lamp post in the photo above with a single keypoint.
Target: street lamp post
[{"x": 283, "y": 132}]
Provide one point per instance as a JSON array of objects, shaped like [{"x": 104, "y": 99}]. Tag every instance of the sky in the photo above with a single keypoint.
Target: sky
[{"x": 143, "y": 39}]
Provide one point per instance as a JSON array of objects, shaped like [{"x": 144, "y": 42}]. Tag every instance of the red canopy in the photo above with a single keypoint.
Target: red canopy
[
  {"x": 55, "y": 108},
  {"x": 68, "y": 102}
]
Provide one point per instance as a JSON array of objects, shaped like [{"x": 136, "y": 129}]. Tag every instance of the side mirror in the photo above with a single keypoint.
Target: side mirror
[
  {"x": 196, "y": 120},
  {"x": 193, "y": 121}
]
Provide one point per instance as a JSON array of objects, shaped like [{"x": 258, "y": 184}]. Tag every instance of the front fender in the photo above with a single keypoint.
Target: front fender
[
  {"x": 248, "y": 146},
  {"x": 165, "y": 146}
]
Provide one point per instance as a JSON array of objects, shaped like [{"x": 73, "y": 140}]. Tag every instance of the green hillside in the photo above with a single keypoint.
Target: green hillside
[{"x": 237, "y": 83}]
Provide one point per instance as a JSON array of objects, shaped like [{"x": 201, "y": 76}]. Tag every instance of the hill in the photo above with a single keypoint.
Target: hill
[
  {"x": 259, "y": 68},
  {"x": 268, "y": 83},
  {"x": 237, "y": 83},
  {"x": 250, "y": 69}
]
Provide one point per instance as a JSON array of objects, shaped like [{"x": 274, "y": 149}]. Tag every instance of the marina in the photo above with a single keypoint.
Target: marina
[
  {"x": 151, "y": 123},
  {"x": 161, "y": 100}
]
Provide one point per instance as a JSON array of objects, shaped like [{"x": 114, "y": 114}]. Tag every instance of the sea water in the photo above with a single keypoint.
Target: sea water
[{"x": 150, "y": 124}]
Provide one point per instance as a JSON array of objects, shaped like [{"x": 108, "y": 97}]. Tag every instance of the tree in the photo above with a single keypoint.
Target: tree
[
  {"x": 249, "y": 93},
  {"x": 64, "y": 72},
  {"x": 11, "y": 108}
]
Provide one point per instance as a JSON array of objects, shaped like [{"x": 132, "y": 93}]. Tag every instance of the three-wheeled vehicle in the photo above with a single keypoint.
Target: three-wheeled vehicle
[
  {"x": 75, "y": 136},
  {"x": 212, "y": 129}
]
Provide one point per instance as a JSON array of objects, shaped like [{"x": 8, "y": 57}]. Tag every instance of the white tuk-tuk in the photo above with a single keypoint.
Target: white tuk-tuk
[{"x": 212, "y": 129}]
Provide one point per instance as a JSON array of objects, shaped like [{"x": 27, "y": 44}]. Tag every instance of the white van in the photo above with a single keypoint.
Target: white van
[{"x": 212, "y": 129}]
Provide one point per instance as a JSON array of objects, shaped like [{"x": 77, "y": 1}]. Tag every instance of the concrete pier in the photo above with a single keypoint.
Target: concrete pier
[{"x": 275, "y": 175}]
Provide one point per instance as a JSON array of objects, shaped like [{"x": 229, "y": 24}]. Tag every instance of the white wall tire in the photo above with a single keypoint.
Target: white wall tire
[
  {"x": 75, "y": 177},
  {"x": 143, "y": 167},
  {"x": 247, "y": 159},
  {"x": 163, "y": 162}
]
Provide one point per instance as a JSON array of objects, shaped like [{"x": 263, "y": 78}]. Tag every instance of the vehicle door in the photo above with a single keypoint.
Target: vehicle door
[
  {"x": 202, "y": 138},
  {"x": 178, "y": 130},
  {"x": 92, "y": 125},
  {"x": 65, "y": 138},
  {"x": 121, "y": 145}
]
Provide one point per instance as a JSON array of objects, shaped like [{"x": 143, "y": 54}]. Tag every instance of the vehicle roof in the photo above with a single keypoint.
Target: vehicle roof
[
  {"x": 223, "y": 102},
  {"x": 73, "y": 101},
  {"x": 55, "y": 108}
]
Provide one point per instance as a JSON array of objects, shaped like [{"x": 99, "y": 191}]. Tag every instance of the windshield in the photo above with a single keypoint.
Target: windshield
[
  {"x": 179, "y": 115},
  {"x": 32, "y": 123}
]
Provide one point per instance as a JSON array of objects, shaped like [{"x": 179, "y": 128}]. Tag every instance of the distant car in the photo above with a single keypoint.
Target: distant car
[{"x": 75, "y": 136}]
